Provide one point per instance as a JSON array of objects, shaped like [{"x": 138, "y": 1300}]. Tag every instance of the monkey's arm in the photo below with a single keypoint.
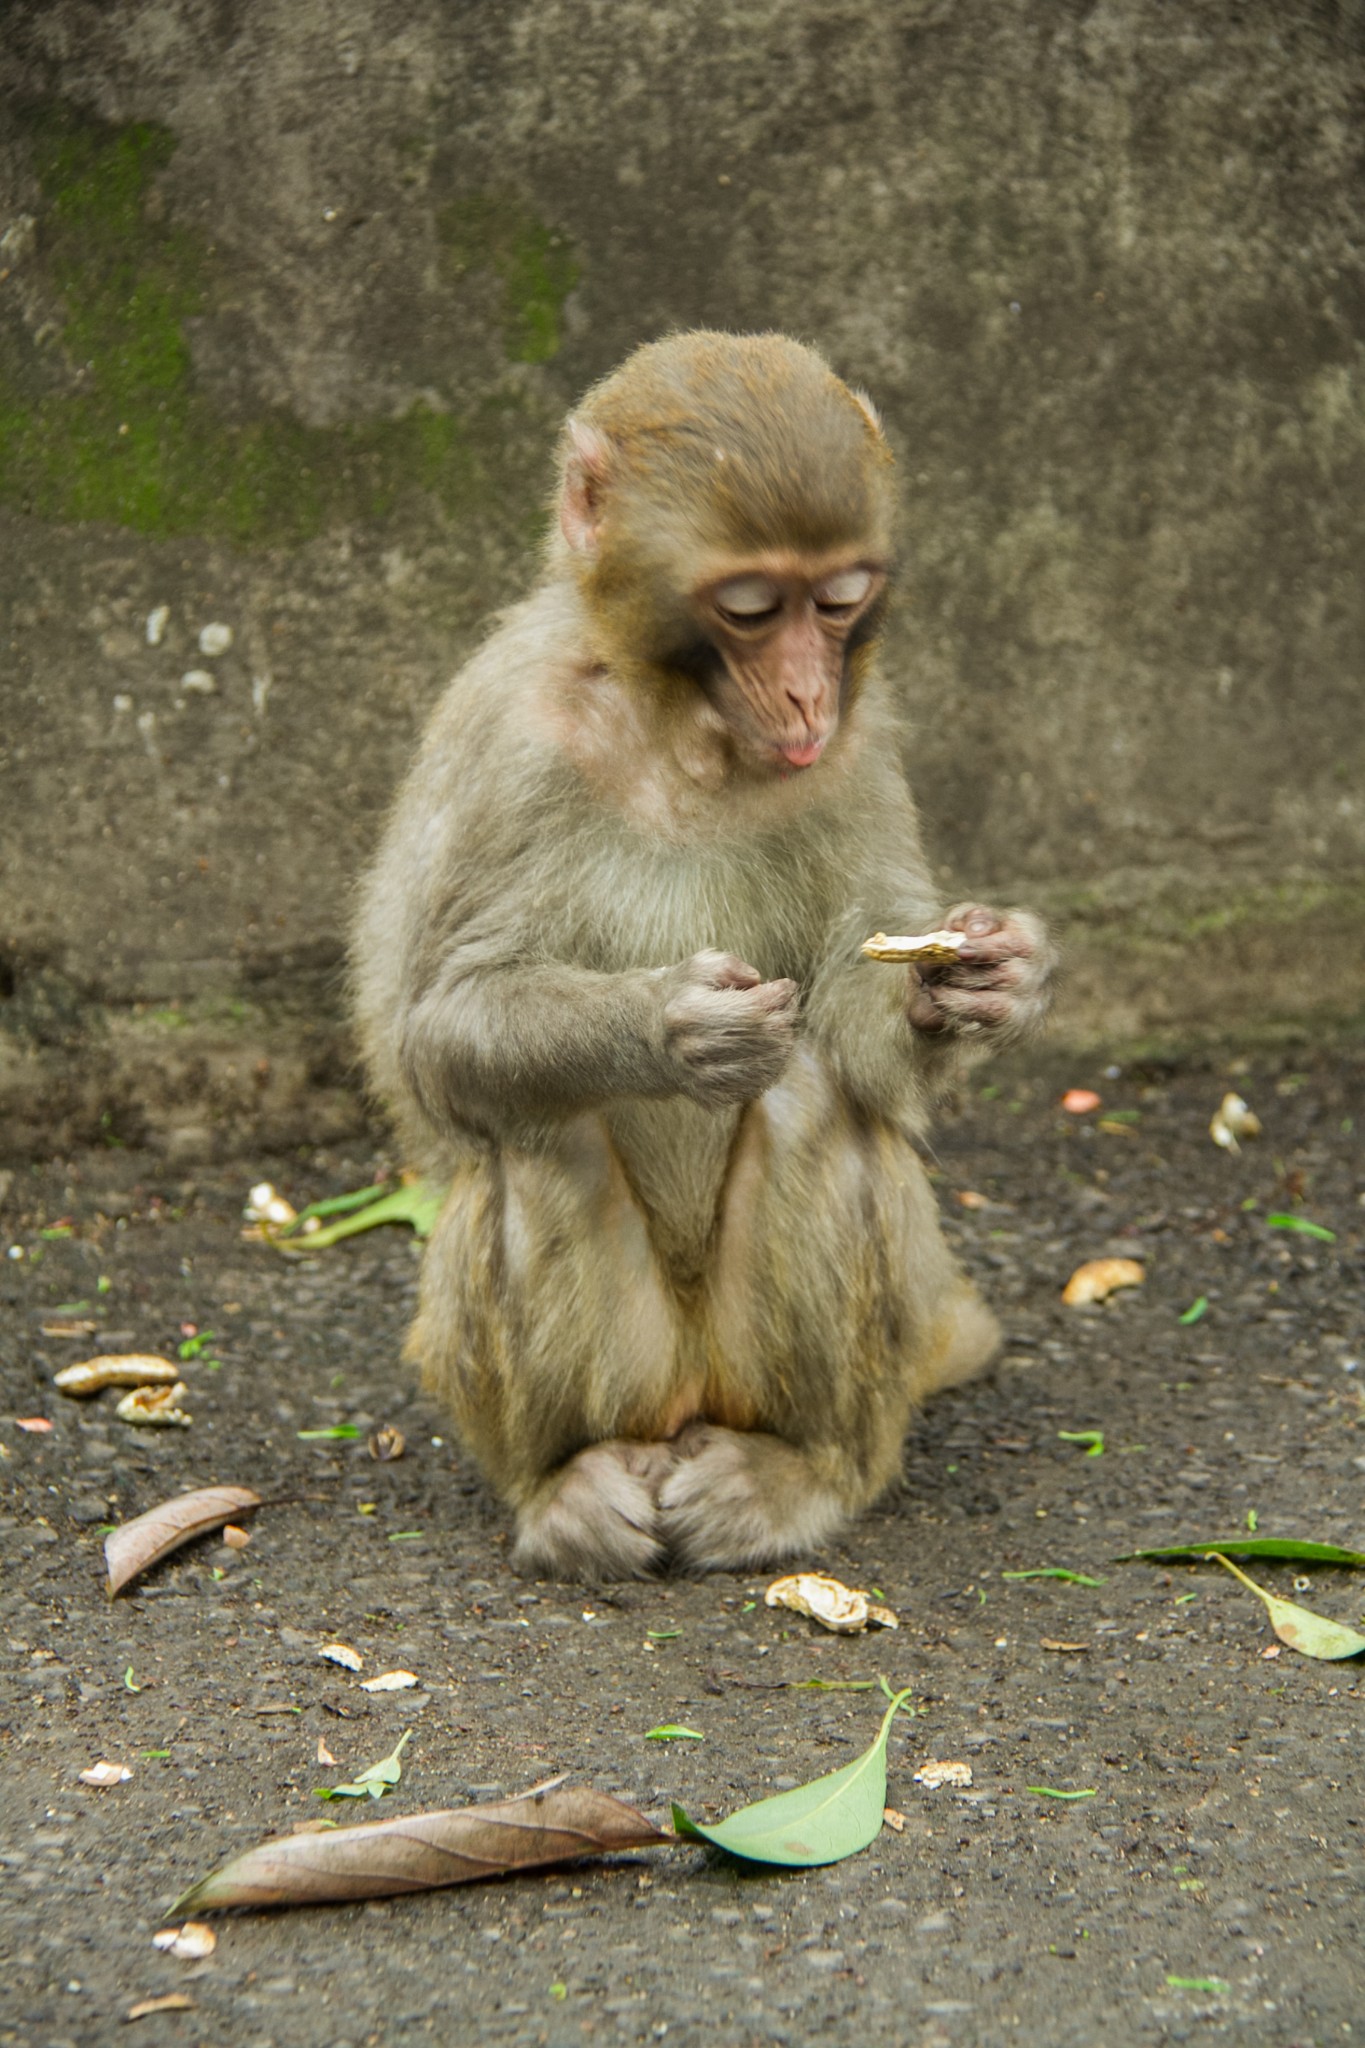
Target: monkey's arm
[{"x": 500, "y": 1046}]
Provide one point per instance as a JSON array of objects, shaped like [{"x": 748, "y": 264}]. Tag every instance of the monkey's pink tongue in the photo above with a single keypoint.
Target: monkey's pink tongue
[{"x": 801, "y": 757}]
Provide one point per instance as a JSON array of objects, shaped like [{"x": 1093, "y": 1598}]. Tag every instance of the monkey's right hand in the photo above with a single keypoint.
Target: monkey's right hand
[{"x": 727, "y": 1033}]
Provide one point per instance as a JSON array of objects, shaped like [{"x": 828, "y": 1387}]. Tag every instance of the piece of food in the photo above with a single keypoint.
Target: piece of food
[
  {"x": 846, "y": 1610},
  {"x": 1232, "y": 1121},
  {"x": 1099, "y": 1277},
  {"x": 116, "y": 1369},
  {"x": 927, "y": 949},
  {"x": 155, "y": 1407}
]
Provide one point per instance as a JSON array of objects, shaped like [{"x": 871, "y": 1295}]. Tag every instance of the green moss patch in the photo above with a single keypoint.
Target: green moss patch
[
  {"x": 120, "y": 430},
  {"x": 535, "y": 267}
]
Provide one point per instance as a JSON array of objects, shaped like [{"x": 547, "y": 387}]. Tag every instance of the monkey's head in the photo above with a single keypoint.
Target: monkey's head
[{"x": 726, "y": 504}]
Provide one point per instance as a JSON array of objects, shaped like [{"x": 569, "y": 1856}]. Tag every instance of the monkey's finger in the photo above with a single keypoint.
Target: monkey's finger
[
  {"x": 724, "y": 970},
  {"x": 774, "y": 998}
]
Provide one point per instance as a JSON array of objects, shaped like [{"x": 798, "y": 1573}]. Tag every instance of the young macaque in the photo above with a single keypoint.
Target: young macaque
[{"x": 688, "y": 1284}]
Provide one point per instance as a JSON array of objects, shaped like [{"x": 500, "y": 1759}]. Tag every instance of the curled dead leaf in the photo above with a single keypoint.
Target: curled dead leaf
[
  {"x": 424, "y": 1851},
  {"x": 135, "y": 1546},
  {"x": 932, "y": 1774},
  {"x": 1101, "y": 1277},
  {"x": 846, "y": 1610},
  {"x": 154, "y": 1407},
  {"x": 115, "y": 1369},
  {"x": 190, "y": 1942}
]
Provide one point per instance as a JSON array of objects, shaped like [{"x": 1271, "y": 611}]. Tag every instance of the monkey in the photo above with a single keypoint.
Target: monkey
[{"x": 688, "y": 1285}]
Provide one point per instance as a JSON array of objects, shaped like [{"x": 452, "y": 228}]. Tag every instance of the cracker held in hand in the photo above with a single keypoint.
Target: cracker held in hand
[{"x": 929, "y": 949}]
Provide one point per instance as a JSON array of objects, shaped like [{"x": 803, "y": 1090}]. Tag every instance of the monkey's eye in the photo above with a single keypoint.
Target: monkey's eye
[
  {"x": 848, "y": 587},
  {"x": 747, "y": 599}
]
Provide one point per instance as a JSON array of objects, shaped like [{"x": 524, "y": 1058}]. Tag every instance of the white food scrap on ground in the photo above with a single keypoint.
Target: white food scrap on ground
[
  {"x": 846, "y": 1610},
  {"x": 1100, "y": 1277},
  {"x": 932, "y": 1774}
]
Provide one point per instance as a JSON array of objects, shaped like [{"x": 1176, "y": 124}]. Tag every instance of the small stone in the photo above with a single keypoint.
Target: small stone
[
  {"x": 157, "y": 620},
  {"x": 215, "y": 638},
  {"x": 200, "y": 681}
]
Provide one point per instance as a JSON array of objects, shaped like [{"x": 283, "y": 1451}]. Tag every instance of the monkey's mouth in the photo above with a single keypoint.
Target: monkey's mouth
[{"x": 805, "y": 755}]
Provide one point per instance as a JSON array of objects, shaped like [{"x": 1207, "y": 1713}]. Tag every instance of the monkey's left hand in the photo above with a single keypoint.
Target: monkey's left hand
[{"x": 999, "y": 982}]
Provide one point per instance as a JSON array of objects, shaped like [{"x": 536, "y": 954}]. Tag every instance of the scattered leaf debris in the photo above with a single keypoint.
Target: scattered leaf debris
[
  {"x": 424, "y": 1851},
  {"x": 1098, "y": 1278},
  {"x": 823, "y": 1822},
  {"x": 135, "y": 1546},
  {"x": 1312, "y": 1635},
  {"x": 845, "y": 1610},
  {"x": 375, "y": 1780}
]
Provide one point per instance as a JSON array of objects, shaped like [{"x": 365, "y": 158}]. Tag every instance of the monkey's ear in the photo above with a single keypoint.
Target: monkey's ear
[{"x": 586, "y": 467}]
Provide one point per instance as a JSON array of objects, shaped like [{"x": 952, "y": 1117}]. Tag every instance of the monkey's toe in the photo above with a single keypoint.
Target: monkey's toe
[
  {"x": 739, "y": 1498},
  {"x": 596, "y": 1518}
]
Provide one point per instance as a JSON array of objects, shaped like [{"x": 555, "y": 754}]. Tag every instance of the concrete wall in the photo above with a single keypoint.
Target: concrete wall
[{"x": 293, "y": 296}]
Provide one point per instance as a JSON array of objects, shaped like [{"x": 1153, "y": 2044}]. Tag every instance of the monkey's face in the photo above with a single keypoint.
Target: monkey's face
[{"x": 776, "y": 640}]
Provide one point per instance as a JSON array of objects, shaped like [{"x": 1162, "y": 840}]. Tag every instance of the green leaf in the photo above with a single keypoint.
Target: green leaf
[
  {"x": 1196, "y": 1309},
  {"x": 1312, "y": 1635},
  {"x": 373, "y": 1782},
  {"x": 1252, "y": 1520},
  {"x": 1093, "y": 1439},
  {"x": 1303, "y": 1226},
  {"x": 673, "y": 1731},
  {"x": 1286, "y": 1547},
  {"x": 822, "y": 1822},
  {"x": 1213, "y": 1984},
  {"x": 833, "y": 1684},
  {"x": 416, "y": 1202},
  {"x": 663, "y": 1635},
  {"x": 344, "y": 1432},
  {"x": 1051, "y": 1792},
  {"x": 192, "y": 1346},
  {"x": 1056, "y": 1571}
]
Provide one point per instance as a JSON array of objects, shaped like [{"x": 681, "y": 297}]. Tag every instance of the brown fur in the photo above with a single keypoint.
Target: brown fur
[{"x": 689, "y": 1284}]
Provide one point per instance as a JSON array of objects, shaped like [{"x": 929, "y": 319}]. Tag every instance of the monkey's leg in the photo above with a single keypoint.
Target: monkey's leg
[
  {"x": 545, "y": 1324},
  {"x": 834, "y": 1308}
]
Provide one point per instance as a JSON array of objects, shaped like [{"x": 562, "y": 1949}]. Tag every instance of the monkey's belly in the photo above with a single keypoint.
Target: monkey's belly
[{"x": 675, "y": 1157}]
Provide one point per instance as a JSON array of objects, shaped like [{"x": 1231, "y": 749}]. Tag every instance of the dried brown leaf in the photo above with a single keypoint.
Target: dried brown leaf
[
  {"x": 426, "y": 1850},
  {"x": 143, "y": 1542}
]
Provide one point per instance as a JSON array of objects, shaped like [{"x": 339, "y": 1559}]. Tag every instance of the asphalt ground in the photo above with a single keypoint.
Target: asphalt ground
[{"x": 1209, "y": 1887}]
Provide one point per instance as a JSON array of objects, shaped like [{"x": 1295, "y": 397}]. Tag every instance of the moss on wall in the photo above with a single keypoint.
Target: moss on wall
[
  {"x": 535, "y": 267},
  {"x": 122, "y": 429}
]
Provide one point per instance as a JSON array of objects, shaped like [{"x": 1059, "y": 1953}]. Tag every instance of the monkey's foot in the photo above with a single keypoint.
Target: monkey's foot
[
  {"x": 737, "y": 1497},
  {"x": 597, "y": 1516}
]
